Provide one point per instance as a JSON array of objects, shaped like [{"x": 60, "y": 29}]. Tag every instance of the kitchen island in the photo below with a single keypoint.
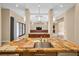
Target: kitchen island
[{"x": 27, "y": 47}]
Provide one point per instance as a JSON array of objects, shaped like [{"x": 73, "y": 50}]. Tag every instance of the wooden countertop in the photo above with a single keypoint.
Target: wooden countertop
[{"x": 27, "y": 45}]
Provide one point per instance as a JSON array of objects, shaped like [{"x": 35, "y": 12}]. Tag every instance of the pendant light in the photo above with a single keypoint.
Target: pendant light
[{"x": 39, "y": 12}]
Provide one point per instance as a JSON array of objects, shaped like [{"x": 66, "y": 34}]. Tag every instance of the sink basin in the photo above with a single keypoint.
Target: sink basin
[{"x": 43, "y": 45}]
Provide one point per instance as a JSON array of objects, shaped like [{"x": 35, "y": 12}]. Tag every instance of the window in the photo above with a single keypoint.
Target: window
[
  {"x": 17, "y": 29},
  {"x": 21, "y": 29},
  {"x": 24, "y": 28}
]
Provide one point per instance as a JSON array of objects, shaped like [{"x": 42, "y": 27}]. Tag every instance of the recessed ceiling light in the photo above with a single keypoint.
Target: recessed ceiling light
[
  {"x": 54, "y": 19},
  {"x": 61, "y": 6},
  {"x": 39, "y": 5},
  {"x": 17, "y": 5},
  {"x": 56, "y": 12}
]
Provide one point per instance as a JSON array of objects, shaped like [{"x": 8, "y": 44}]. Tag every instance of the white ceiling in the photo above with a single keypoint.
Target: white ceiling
[{"x": 44, "y": 7}]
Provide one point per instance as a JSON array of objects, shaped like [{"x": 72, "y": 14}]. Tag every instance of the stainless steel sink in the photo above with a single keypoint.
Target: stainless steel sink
[{"x": 43, "y": 45}]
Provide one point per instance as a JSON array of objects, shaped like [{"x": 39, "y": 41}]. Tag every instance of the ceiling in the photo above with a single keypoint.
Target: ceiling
[{"x": 58, "y": 8}]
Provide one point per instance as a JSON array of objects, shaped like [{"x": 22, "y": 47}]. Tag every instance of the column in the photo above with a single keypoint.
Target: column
[
  {"x": 27, "y": 21},
  {"x": 5, "y": 26},
  {"x": 0, "y": 27},
  {"x": 50, "y": 22}
]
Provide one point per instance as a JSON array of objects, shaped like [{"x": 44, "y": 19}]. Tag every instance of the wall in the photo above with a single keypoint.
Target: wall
[
  {"x": 0, "y": 27},
  {"x": 17, "y": 19},
  {"x": 60, "y": 16},
  {"x": 56, "y": 28},
  {"x": 71, "y": 18},
  {"x": 5, "y": 14},
  {"x": 71, "y": 26},
  {"x": 5, "y": 23},
  {"x": 76, "y": 25},
  {"x": 44, "y": 26},
  {"x": 61, "y": 27},
  {"x": 69, "y": 23}
]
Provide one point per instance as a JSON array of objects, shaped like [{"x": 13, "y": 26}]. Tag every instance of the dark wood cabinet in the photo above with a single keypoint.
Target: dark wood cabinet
[
  {"x": 39, "y": 35},
  {"x": 39, "y": 31}
]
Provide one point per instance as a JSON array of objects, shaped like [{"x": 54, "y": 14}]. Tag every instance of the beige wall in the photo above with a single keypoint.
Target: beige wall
[
  {"x": 56, "y": 28},
  {"x": 0, "y": 26},
  {"x": 5, "y": 14},
  {"x": 59, "y": 25},
  {"x": 17, "y": 18},
  {"x": 71, "y": 18},
  {"x": 60, "y": 16},
  {"x": 69, "y": 26},
  {"x": 5, "y": 20},
  {"x": 44, "y": 26},
  {"x": 76, "y": 25},
  {"x": 69, "y": 23}
]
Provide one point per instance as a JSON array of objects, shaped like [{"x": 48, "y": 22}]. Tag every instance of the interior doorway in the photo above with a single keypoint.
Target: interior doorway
[{"x": 11, "y": 28}]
